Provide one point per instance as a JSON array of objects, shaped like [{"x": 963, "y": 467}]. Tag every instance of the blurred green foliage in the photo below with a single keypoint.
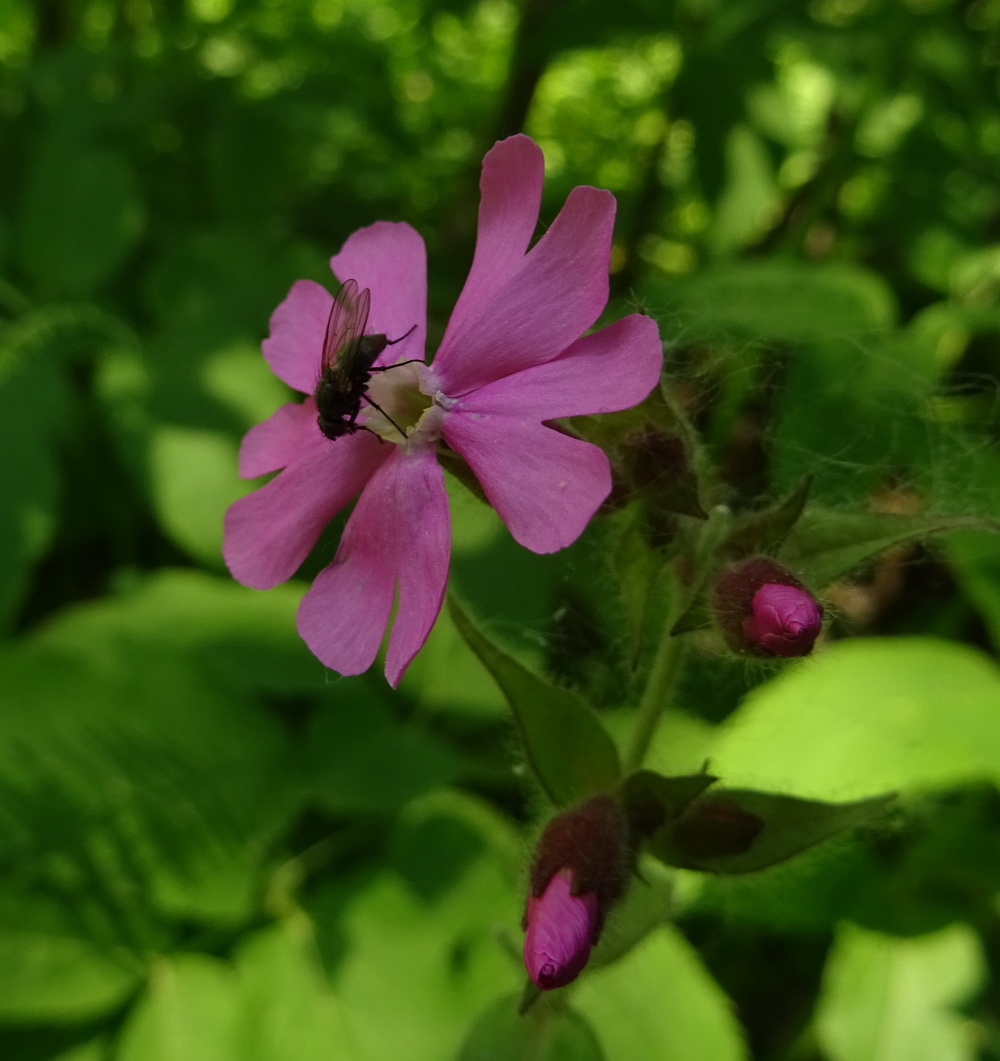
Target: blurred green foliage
[{"x": 213, "y": 849}]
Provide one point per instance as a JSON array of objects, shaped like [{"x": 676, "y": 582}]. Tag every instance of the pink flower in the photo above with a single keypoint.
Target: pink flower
[
  {"x": 561, "y": 928},
  {"x": 511, "y": 358},
  {"x": 784, "y": 620}
]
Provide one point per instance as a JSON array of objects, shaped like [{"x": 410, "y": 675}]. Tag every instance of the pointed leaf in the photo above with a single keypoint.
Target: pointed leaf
[
  {"x": 568, "y": 749},
  {"x": 738, "y": 831},
  {"x": 764, "y": 532},
  {"x": 826, "y": 544},
  {"x": 652, "y": 800}
]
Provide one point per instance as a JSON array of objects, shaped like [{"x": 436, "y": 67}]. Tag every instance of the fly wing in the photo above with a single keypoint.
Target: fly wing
[{"x": 344, "y": 327}]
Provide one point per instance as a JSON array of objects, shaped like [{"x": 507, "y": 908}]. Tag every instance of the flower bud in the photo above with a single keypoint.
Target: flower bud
[
  {"x": 764, "y": 610},
  {"x": 561, "y": 930},
  {"x": 578, "y": 873},
  {"x": 784, "y": 620}
]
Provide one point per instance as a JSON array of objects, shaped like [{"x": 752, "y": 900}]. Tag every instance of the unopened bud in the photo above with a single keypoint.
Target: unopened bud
[
  {"x": 764, "y": 610},
  {"x": 578, "y": 873},
  {"x": 561, "y": 930},
  {"x": 784, "y": 620}
]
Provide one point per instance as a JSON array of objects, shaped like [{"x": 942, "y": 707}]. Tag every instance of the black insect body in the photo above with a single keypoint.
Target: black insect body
[{"x": 347, "y": 364}]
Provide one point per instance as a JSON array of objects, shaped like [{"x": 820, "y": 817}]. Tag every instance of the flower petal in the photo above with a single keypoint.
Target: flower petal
[
  {"x": 531, "y": 315},
  {"x": 614, "y": 368},
  {"x": 398, "y": 532},
  {"x": 268, "y": 533},
  {"x": 294, "y": 349},
  {"x": 279, "y": 440},
  {"x": 560, "y": 931},
  {"x": 545, "y": 485},
  {"x": 389, "y": 258},
  {"x": 510, "y": 198}
]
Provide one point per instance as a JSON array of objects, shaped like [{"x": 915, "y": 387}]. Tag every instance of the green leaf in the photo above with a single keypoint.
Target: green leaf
[
  {"x": 288, "y": 1011},
  {"x": 52, "y": 971},
  {"x": 194, "y": 480},
  {"x": 568, "y": 750},
  {"x": 764, "y": 532},
  {"x": 34, "y": 402},
  {"x": 750, "y": 195},
  {"x": 890, "y": 999},
  {"x": 739, "y": 831},
  {"x": 120, "y": 753},
  {"x": 866, "y": 717},
  {"x": 93, "y": 1050},
  {"x": 369, "y": 763},
  {"x": 189, "y": 1013},
  {"x": 80, "y": 215},
  {"x": 412, "y": 965},
  {"x": 651, "y": 800},
  {"x": 239, "y": 636},
  {"x": 779, "y": 300},
  {"x": 826, "y": 544},
  {"x": 975, "y": 558},
  {"x": 648, "y": 904},
  {"x": 660, "y": 1002},
  {"x": 542, "y": 1034}
]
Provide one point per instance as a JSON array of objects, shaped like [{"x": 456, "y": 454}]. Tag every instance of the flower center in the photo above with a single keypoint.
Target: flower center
[{"x": 404, "y": 405}]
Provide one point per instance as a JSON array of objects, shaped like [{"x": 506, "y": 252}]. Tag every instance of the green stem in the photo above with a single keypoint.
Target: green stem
[{"x": 659, "y": 690}]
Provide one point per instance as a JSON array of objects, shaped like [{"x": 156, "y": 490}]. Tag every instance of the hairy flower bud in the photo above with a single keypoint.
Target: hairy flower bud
[
  {"x": 578, "y": 873},
  {"x": 764, "y": 610}
]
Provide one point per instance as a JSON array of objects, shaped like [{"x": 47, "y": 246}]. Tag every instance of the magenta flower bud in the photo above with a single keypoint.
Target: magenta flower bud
[
  {"x": 561, "y": 931},
  {"x": 578, "y": 873},
  {"x": 784, "y": 620},
  {"x": 764, "y": 610}
]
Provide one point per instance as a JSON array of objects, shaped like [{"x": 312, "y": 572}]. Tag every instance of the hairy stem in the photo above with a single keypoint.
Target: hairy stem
[{"x": 659, "y": 689}]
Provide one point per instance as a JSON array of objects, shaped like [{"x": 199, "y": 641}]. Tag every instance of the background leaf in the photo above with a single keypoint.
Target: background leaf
[
  {"x": 691, "y": 1018},
  {"x": 865, "y": 718},
  {"x": 887, "y": 999}
]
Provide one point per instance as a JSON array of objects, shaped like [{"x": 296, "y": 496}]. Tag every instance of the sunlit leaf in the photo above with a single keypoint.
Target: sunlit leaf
[
  {"x": 287, "y": 1010},
  {"x": 188, "y": 1013},
  {"x": 689, "y": 1016},
  {"x": 891, "y": 999},
  {"x": 868, "y": 717},
  {"x": 413, "y": 966},
  {"x": 194, "y": 481}
]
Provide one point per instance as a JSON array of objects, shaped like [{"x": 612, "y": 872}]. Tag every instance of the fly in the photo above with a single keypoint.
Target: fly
[{"x": 348, "y": 363}]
